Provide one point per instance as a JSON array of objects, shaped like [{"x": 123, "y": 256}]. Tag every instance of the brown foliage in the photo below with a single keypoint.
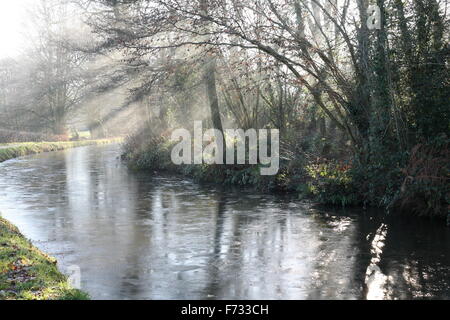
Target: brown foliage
[{"x": 426, "y": 182}]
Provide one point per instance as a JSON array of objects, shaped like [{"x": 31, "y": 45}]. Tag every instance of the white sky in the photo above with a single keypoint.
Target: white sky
[{"x": 12, "y": 17}]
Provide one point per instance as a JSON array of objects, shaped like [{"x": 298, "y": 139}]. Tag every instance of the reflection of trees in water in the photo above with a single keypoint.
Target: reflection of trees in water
[
  {"x": 162, "y": 255},
  {"x": 154, "y": 260},
  {"x": 216, "y": 261},
  {"x": 411, "y": 259},
  {"x": 415, "y": 258},
  {"x": 342, "y": 255},
  {"x": 133, "y": 282},
  {"x": 249, "y": 250},
  {"x": 100, "y": 209}
]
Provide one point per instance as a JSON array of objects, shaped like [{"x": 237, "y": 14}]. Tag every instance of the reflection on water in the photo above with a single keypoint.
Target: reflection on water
[
  {"x": 141, "y": 236},
  {"x": 376, "y": 281}
]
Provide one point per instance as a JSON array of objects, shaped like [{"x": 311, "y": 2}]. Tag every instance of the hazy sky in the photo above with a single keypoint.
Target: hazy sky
[{"x": 12, "y": 16}]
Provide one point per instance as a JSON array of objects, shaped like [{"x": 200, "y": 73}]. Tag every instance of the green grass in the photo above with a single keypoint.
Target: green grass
[
  {"x": 14, "y": 150},
  {"x": 29, "y": 274}
]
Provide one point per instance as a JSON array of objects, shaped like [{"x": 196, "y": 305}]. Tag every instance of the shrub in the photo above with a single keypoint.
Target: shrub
[
  {"x": 145, "y": 150},
  {"x": 425, "y": 189},
  {"x": 331, "y": 183},
  {"x": 9, "y": 136}
]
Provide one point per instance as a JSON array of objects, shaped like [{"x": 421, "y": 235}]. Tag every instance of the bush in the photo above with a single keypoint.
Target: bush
[
  {"x": 147, "y": 151},
  {"x": 331, "y": 182},
  {"x": 425, "y": 190},
  {"x": 9, "y": 136}
]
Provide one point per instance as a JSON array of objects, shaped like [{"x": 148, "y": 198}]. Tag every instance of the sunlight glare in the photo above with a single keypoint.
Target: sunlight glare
[{"x": 12, "y": 14}]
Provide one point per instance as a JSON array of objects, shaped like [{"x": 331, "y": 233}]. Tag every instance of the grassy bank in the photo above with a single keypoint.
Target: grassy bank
[
  {"x": 14, "y": 150},
  {"x": 27, "y": 273}
]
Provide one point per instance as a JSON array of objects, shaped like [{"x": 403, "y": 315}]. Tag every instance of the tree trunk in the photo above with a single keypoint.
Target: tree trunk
[
  {"x": 210, "y": 82},
  {"x": 59, "y": 127}
]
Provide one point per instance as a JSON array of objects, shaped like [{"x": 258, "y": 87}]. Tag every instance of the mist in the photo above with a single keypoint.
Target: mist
[{"x": 301, "y": 104}]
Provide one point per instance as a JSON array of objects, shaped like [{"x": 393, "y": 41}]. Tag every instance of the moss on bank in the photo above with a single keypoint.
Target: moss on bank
[
  {"x": 29, "y": 274},
  {"x": 11, "y": 151}
]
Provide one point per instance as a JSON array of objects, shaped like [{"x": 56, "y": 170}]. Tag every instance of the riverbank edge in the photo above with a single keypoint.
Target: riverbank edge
[
  {"x": 326, "y": 182},
  {"x": 11, "y": 151},
  {"x": 26, "y": 273}
]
